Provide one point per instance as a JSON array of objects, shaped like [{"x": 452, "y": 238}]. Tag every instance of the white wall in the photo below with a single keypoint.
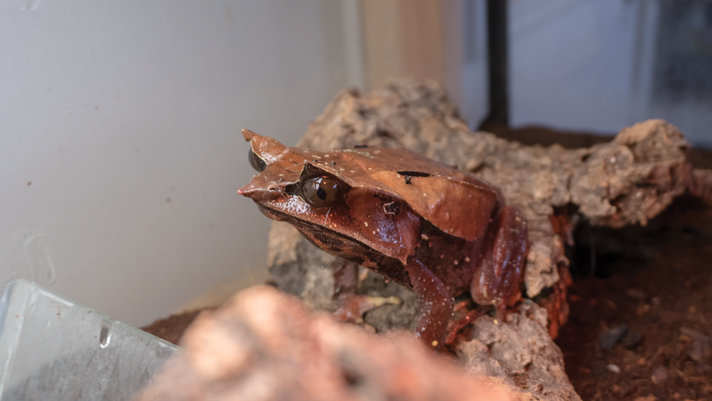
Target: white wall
[
  {"x": 475, "y": 84},
  {"x": 588, "y": 65},
  {"x": 572, "y": 63},
  {"x": 124, "y": 116}
]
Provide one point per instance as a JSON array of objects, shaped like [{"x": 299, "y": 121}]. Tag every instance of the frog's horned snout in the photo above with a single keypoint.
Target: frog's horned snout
[
  {"x": 248, "y": 134},
  {"x": 260, "y": 194}
]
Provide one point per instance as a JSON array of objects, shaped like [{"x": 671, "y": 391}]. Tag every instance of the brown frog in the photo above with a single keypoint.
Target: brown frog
[{"x": 416, "y": 221}]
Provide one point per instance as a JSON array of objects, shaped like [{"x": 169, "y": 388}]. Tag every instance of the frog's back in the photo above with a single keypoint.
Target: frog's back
[{"x": 455, "y": 202}]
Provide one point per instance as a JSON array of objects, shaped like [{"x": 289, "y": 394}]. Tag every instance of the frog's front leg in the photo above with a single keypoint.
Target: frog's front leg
[
  {"x": 498, "y": 275},
  {"x": 349, "y": 306},
  {"x": 435, "y": 301},
  {"x": 345, "y": 277}
]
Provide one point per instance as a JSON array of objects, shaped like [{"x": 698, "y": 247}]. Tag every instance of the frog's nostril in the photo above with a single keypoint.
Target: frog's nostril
[{"x": 272, "y": 188}]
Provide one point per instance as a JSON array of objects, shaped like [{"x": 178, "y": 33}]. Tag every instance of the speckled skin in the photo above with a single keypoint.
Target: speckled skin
[{"x": 418, "y": 222}]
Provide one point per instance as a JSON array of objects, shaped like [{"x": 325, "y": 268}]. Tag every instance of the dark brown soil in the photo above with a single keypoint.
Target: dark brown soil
[
  {"x": 656, "y": 280},
  {"x": 172, "y": 327}
]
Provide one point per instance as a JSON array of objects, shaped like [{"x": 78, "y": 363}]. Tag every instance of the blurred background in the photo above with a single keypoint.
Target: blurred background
[{"x": 120, "y": 152}]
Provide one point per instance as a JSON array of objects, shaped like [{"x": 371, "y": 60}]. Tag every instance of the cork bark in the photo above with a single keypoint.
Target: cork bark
[
  {"x": 265, "y": 345},
  {"x": 626, "y": 181}
]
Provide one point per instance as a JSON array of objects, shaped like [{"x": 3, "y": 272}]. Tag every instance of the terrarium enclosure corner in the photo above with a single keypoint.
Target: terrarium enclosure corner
[{"x": 561, "y": 153}]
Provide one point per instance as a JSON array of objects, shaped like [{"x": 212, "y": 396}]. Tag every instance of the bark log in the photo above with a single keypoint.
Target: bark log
[
  {"x": 626, "y": 181},
  {"x": 265, "y": 345}
]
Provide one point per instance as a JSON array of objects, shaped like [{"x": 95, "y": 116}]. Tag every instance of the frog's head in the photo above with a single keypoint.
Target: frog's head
[
  {"x": 330, "y": 197},
  {"x": 286, "y": 180}
]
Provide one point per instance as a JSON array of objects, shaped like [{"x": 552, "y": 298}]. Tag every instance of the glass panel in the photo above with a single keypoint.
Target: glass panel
[{"x": 52, "y": 348}]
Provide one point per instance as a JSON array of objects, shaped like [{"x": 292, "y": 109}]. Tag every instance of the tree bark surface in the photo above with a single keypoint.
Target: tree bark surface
[
  {"x": 626, "y": 181},
  {"x": 266, "y": 345}
]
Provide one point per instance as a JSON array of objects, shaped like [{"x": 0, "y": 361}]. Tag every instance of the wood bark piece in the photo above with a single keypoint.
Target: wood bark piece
[
  {"x": 626, "y": 181},
  {"x": 264, "y": 345}
]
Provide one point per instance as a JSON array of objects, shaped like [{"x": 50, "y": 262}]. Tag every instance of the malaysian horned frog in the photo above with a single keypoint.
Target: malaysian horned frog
[{"x": 416, "y": 221}]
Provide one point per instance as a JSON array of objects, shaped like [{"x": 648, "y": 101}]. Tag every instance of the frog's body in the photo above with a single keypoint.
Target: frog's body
[{"x": 418, "y": 222}]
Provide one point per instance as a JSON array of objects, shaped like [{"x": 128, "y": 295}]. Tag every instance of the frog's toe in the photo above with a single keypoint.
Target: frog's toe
[
  {"x": 456, "y": 326},
  {"x": 351, "y": 308}
]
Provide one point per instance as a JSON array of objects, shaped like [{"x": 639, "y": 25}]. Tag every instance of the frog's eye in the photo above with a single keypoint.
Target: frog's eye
[
  {"x": 321, "y": 191},
  {"x": 255, "y": 161}
]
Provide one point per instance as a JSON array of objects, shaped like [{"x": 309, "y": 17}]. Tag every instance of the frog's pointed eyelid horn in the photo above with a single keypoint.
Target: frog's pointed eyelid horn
[
  {"x": 266, "y": 148},
  {"x": 248, "y": 134}
]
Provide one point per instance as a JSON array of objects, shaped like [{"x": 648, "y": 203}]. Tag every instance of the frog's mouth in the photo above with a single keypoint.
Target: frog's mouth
[
  {"x": 325, "y": 238},
  {"x": 344, "y": 247}
]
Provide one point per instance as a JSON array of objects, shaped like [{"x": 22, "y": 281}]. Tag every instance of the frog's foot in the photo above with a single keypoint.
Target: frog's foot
[
  {"x": 500, "y": 314},
  {"x": 457, "y": 325},
  {"x": 462, "y": 305},
  {"x": 351, "y": 308}
]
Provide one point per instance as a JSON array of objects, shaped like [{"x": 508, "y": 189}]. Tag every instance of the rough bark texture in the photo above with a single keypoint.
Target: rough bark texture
[
  {"x": 264, "y": 345},
  {"x": 520, "y": 352},
  {"x": 626, "y": 181}
]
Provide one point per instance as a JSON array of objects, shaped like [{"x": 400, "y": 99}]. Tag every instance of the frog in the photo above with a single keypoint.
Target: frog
[{"x": 423, "y": 224}]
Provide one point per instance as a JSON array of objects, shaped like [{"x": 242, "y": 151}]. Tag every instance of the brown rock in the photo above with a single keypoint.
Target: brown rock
[
  {"x": 264, "y": 345},
  {"x": 520, "y": 352},
  {"x": 626, "y": 181}
]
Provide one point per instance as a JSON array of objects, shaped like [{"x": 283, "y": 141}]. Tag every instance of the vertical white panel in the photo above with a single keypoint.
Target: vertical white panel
[
  {"x": 475, "y": 80},
  {"x": 593, "y": 65},
  {"x": 120, "y": 151}
]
